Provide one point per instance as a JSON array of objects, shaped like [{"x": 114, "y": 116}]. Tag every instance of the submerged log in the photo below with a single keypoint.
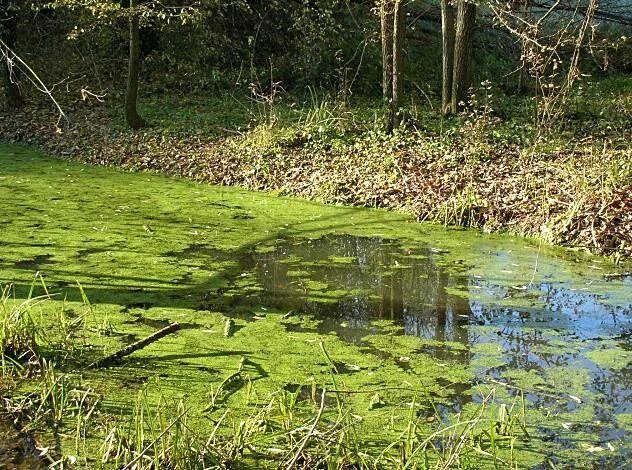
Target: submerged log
[{"x": 127, "y": 350}]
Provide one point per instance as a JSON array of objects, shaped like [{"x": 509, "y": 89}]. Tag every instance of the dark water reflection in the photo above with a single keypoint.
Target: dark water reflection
[{"x": 353, "y": 281}]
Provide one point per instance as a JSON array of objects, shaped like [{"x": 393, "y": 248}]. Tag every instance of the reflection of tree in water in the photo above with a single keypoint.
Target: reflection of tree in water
[
  {"x": 370, "y": 279},
  {"x": 351, "y": 281},
  {"x": 557, "y": 329},
  {"x": 614, "y": 393},
  {"x": 572, "y": 311},
  {"x": 358, "y": 280}
]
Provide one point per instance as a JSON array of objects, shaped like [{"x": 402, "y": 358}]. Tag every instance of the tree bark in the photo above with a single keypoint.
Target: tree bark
[
  {"x": 448, "y": 33},
  {"x": 399, "y": 30},
  {"x": 8, "y": 33},
  {"x": 131, "y": 96},
  {"x": 386, "y": 26},
  {"x": 463, "y": 45}
]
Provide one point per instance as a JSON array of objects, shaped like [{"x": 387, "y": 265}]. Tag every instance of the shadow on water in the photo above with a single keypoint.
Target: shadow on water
[{"x": 349, "y": 282}]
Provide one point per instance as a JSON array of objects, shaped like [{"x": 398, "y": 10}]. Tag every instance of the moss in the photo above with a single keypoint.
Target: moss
[
  {"x": 487, "y": 355},
  {"x": 625, "y": 420},
  {"x": 525, "y": 379}
]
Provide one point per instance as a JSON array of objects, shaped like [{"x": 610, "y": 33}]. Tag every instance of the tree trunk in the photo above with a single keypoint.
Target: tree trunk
[
  {"x": 448, "y": 32},
  {"x": 462, "y": 76},
  {"x": 399, "y": 31},
  {"x": 8, "y": 33},
  {"x": 386, "y": 24},
  {"x": 523, "y": 75},
  {"x": 523, "y": 79},
  {"x": 131, "y": 96}
]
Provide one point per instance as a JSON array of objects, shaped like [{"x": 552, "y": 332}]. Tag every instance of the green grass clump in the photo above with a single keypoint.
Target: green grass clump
[{"x": 18, "y": 331}]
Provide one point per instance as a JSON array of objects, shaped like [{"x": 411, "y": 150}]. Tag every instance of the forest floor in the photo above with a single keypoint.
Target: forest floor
[{"x": 492, "y": 168}]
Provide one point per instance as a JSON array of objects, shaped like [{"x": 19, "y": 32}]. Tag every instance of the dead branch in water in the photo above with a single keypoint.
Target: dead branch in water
[{"x": 127, "y": 350}]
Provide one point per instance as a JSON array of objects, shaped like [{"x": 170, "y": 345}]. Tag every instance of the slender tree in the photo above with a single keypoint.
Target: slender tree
[
  {"x": 448, "y": 32},
  {"x": 386, "y": 24},
  {"x": 393, "y": 29},
  {"x": 463, "y": 45},
  {"x": 134, "y": 120},
  {"x": 399, "y": 30},
  {"x": 8, "y": 34}
]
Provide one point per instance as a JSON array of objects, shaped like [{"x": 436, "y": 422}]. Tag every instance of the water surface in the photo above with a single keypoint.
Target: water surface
[{"x": 449, "y": 314}]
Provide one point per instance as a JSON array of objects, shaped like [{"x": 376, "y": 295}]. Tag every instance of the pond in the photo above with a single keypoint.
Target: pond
[{"x": 323, "y": 296}]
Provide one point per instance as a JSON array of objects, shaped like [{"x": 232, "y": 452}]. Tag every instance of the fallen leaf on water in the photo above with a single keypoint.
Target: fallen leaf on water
[{"x": 575, "y": 399}]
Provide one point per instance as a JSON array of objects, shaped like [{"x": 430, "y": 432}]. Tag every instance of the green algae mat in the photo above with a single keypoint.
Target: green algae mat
[{"x": 410, "y": 328}]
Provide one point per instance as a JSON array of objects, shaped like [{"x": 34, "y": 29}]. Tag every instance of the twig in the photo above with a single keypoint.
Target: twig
[
  {"x": 322, "y": 348},
  {"x": 535, "y": 267},
  {"x": 9, "y": 55},
  {"x": 617, "y": 275},
  {"x": 126, "y": 351}
]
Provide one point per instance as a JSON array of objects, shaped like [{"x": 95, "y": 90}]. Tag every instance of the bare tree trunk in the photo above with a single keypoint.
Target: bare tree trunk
[
  {"x": 131, "y": 96},
  {"x": 399, "y": 31},
  {"x": 386, "y": 24},
  {"x": 448, "y": 32},
  {"x": 8, "y": 33},
  {"x": 523, "y": 76},
  {"x": 463, "y": 45}
]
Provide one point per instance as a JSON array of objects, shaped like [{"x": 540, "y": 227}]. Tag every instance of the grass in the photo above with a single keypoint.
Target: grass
[
  {"x": 280, "y": 433},
  {"x": 18, "y": 333}
]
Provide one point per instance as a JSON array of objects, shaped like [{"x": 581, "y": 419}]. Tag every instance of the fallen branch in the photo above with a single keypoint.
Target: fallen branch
[{"x": 126, "y": 351}]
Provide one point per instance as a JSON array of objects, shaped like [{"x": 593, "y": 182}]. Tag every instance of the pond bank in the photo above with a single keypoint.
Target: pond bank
[{"x": 571, "y": 187}]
